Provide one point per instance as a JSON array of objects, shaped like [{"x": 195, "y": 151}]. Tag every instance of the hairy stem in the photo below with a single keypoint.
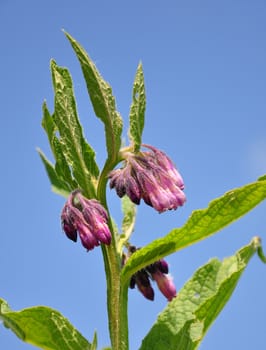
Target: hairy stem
[{"x": 116, "y": 296}]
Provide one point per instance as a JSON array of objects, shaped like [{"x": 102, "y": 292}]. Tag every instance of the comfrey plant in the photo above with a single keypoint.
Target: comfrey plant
[{"x": 136, "y": 172}]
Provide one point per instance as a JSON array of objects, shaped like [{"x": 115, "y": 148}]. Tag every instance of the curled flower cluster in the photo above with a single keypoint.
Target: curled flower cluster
[
  {"x": 151, "y": 176},
  {"x": 157, "y": 272},
  {"x": 86, "y": 217}
]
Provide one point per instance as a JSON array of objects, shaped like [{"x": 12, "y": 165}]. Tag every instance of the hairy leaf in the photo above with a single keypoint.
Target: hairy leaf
[
  {"x": 185, "y": 321},
  {"x": 43, "y": 327},
  {"x": 102, "y": 100},
  {"x": 61, "y": 167},
  {"x": 137, "y": 109},
  {"x": 201, "y": 224},
  {"x": 79, "y": 155},
  {"x": 58, "y": 185}
]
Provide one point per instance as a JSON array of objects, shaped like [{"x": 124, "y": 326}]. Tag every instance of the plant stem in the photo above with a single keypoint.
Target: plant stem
[{"x": 116, "y": 295}]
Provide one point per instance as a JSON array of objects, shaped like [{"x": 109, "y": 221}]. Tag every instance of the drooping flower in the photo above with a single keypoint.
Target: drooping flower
[
  {"x": 157, "y": 272},
  {"x": 141, "y": 279},
  {"x": 163, "y": 280},
  {"x": 151, "y": 176},
  {"x": 86, "y": 218}
]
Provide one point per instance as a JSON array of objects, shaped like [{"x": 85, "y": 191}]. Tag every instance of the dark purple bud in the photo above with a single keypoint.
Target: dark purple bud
[
  {"x": 69, "y": 230},
  {"x": 144, "y": 285},
  {"x": 132, "y": 282},
  {"x": 160, "y": 265},
  {"x": 118, "y": 181},
  {"x": 67, "y": 222},
  {"x": 158, "y": 271},
  {"x": 163, "y": 266}
]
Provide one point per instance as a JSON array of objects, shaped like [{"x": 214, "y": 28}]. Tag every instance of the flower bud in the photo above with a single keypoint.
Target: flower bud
[
  {"x": 150, "y": 176},
  {"x": 143, "y": 283},
  {"x": 158, "y": 272},
  {"x": 86, "y": 217},
  {"x": 165, "y": 284}
]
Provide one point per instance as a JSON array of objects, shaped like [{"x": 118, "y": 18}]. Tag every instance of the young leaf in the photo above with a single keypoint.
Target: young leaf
[
  {"x": 43, "y": 327},
  {"x": 49, "y": 125},
  {"x": 185, "y": 321},
  {"x": 102, "y": 100},
  {"x": 128, "y": 223},
  {"x": 76, "y": 150},
  {"x": 137, "y": 109},
  {"x": 58, "y": 185},
  {"x": 94, "y": 343},
  {"x": 61, "y": 166},
  {"x": 201, "y": 224}
]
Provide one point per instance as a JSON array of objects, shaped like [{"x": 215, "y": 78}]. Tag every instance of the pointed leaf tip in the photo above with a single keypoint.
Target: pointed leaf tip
[{"x": 137, "y": 109}]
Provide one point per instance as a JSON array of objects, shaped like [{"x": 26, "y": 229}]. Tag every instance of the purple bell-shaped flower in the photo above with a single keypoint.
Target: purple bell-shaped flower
[
  {"x": 86, "y": 218},
  {"x": 151, "y": 176}
]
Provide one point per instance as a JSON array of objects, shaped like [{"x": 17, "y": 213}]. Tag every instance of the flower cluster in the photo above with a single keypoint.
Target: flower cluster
[
  {"x": 157, "y": 272},
  {"x": 151, "y": 176},
  {"x": 86, "y": 217}
]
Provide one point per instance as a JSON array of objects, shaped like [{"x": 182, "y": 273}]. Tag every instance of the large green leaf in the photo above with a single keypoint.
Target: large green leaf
[
  {"x": 77, "y": 152},
  {"x": 185, "y": 321},
  {"x": 137, "y": 109},
  {"x": 43, "y": 327},
  {"x": 102, "y": 99},
  {"x": 201, "y": 224}
]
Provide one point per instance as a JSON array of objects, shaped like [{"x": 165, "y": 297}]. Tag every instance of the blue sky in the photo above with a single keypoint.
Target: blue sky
[{"x": 204, "y": 66}]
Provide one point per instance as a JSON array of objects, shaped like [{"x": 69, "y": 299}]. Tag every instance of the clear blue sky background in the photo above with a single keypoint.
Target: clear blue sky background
[{"x": 205, "y": 73}]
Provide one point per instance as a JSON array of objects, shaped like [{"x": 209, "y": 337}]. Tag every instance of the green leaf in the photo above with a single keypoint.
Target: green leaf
[
  {"x": 137, "y": 109},
  {"x": 262, "y": 178},
  {"x": 49, "y": 125},
  {"x": 58, "y": 185},
  {"x": 61, "y": 166},
  {"x": 260, "y": 252},
  {"x": 128, "y": 223},
  {"x": 201, "y": 224},
  {"x": 94, "y": 342},
  {"x": 78, "y": 154},
  {"x": 102, "y": 99},
  {"x": 43, "y": 327},
  {"x": 186, "y": 319}
]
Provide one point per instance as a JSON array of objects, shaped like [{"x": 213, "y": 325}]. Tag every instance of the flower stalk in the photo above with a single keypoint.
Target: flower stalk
[{"x": 116, "y": 293}]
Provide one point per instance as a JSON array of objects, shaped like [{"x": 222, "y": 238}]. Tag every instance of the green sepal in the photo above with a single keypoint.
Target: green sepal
[
  {"x": 185, "y": 321},
  {"x": 43, "y": 327},
  {"x": 102, "y": 100},
  {"x": 200, "y": 225},
  {"x": 137, "y": 110}
]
